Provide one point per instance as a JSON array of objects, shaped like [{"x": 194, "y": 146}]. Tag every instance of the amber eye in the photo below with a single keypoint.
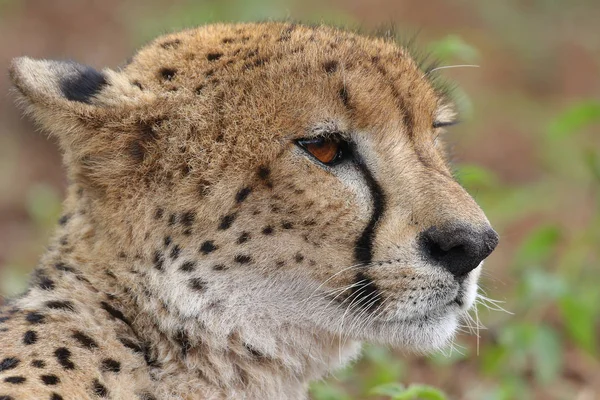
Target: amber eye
[{"x": 328, "y": 150}]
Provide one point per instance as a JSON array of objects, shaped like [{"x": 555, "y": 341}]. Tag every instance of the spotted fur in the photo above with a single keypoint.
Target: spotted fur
[{"x": 202, "y": 254}]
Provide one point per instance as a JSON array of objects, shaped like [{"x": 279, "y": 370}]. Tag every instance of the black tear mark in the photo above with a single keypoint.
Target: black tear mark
[
  {"x": 363, "y": 248},
  {"x": 365, "y": 294},
  {"x": 81, "y": 83}
]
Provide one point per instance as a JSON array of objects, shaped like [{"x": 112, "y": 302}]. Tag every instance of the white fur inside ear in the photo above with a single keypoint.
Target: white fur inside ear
[{"x": 45, "y": 80}]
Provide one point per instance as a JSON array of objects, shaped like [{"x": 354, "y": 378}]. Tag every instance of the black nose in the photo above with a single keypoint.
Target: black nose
[{"x": 458, "y": 248}]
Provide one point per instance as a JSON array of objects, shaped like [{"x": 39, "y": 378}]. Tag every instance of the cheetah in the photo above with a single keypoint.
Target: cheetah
[{"x": 247, "y": 204}]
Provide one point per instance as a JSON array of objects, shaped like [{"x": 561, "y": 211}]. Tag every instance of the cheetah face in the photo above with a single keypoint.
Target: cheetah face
[{"x": 273, "y": 175}]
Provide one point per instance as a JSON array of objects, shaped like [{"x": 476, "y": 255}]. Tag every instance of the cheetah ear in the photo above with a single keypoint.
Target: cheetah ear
[{"x": 65, "y": 97}]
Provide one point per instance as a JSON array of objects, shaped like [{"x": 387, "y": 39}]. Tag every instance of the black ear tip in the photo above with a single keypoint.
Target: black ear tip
[{"x": 82, "y": 83}]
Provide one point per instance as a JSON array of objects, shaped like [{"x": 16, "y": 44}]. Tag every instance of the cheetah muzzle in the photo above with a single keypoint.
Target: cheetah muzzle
[{"x": 247, "y": 203}]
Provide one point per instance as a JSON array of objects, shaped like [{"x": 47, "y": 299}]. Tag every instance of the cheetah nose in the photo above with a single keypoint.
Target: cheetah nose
[{"x": 458, "y": 248}]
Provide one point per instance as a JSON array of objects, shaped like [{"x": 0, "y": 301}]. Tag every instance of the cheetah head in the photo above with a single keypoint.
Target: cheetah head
[{"x": 260, "y": 176}]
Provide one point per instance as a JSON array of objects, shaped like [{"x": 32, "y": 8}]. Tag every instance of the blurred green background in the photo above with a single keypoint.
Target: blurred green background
[{"x": 528, "y": 150}]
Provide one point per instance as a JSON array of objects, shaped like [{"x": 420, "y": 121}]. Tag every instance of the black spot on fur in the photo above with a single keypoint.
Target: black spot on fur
[
  {"x": 287, "y": 225},
  {"x": 299, "y": 257},
  {"x": 188, "y": 218},
  {"x": 267, "y": 230},
  {"x": 15, "y": 380},
  {"x": 219, "y": 267},
  {"x": 6, "y": 397},
  {"x": 184, "y": 342},
  {"x": 280, "y": 263},
  {"x": 35, "y": 318},
  {"x": 170, "y": 44},
  {"x": 158, "y": 260},
  {"x": 175, "y": 252},
  {"x": 253, "y": 352},
  {"x": 167, "y": 74},
  {"x": 208, "y": 247},
  {"x": 197, "y": 285},
  {"x": 56, "y": 396},
  {"x": 99, "y": 389},
  {"x": 63, "y": 355},
  {"x": 50, "y": 380},
  {"x": 227, "y": 221},
  {"x": 214, "y": 56},
  {"x": 330, "y": 66},
  {"x": 9, "y": 363},
  {"x": 138, "y": 85},
  {"x": 242, "y": 194},
  {"x": 110, "y": 365},
  {"x": 82, "y": 83},
  {"x": 38, "y": 364},
  {"x": 167, "y": 241},
  {"x": 146, "y": 396},
  {"x": 172, "y": 219},
  {"x": 61, "y": 266},
  {"x": 84, "y": 340},
  {"x": 4, "y": 319},
  {"x": 345, "y": 97},
  {"x": 244, "y": 237},
  {"x": 263, "y": 172},
  {"x": 45, "y": 283},
  {"x": 64, "y": 219},
  {"x": 60, "y": 305},
  {"x": 114, "y": 312},
  {"x": 30, "y": 337},
  {"x": 187, "y": 266},
  {"x": 130, "y": 344},
  {"x": 243, "y": 259},
  {"x": 158, "y": 214}
]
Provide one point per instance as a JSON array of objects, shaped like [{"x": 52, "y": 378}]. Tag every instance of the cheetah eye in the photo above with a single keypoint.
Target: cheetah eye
[{"x": 328, "y": 150}]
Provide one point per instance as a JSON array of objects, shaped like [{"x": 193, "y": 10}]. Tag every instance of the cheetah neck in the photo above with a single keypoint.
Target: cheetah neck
[{"x": 266, "y": 360}]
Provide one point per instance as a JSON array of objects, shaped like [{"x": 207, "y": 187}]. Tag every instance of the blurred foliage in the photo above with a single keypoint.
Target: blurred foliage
[{"x": 551, "y": 220}]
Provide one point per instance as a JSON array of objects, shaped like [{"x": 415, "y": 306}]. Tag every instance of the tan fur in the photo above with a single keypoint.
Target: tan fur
[{"x": 228, "y": 293}]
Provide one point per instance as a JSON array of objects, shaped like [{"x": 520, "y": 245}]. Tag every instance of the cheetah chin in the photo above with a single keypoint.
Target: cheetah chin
[{"x": 247, "y": 203}]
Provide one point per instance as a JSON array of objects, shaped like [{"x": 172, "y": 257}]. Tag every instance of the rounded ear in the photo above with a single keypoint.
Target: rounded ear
[{"x": 67, "y": 98}]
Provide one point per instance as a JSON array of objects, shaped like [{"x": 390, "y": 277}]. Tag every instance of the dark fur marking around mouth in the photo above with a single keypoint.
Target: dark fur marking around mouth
[
  {"x": 82, "y": 84},
  {"x": 363, "y": 248},
  {"x": 365, "y": 293}
]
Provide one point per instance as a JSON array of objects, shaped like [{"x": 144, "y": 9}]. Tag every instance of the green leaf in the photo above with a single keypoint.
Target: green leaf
[
  {"x": 547, "y": 353},
  {"x": 389, "y": 389},
  {"x": 574, "y": 118},
  {"x": 474, "y": 177},
  {"x": 453, "y": 47},
  {"x": 325, "y": 391},
  {"x": 398, "y": 392},
  {"x": 538, "y": 246},
  {"x": 579, "y": 316}
]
